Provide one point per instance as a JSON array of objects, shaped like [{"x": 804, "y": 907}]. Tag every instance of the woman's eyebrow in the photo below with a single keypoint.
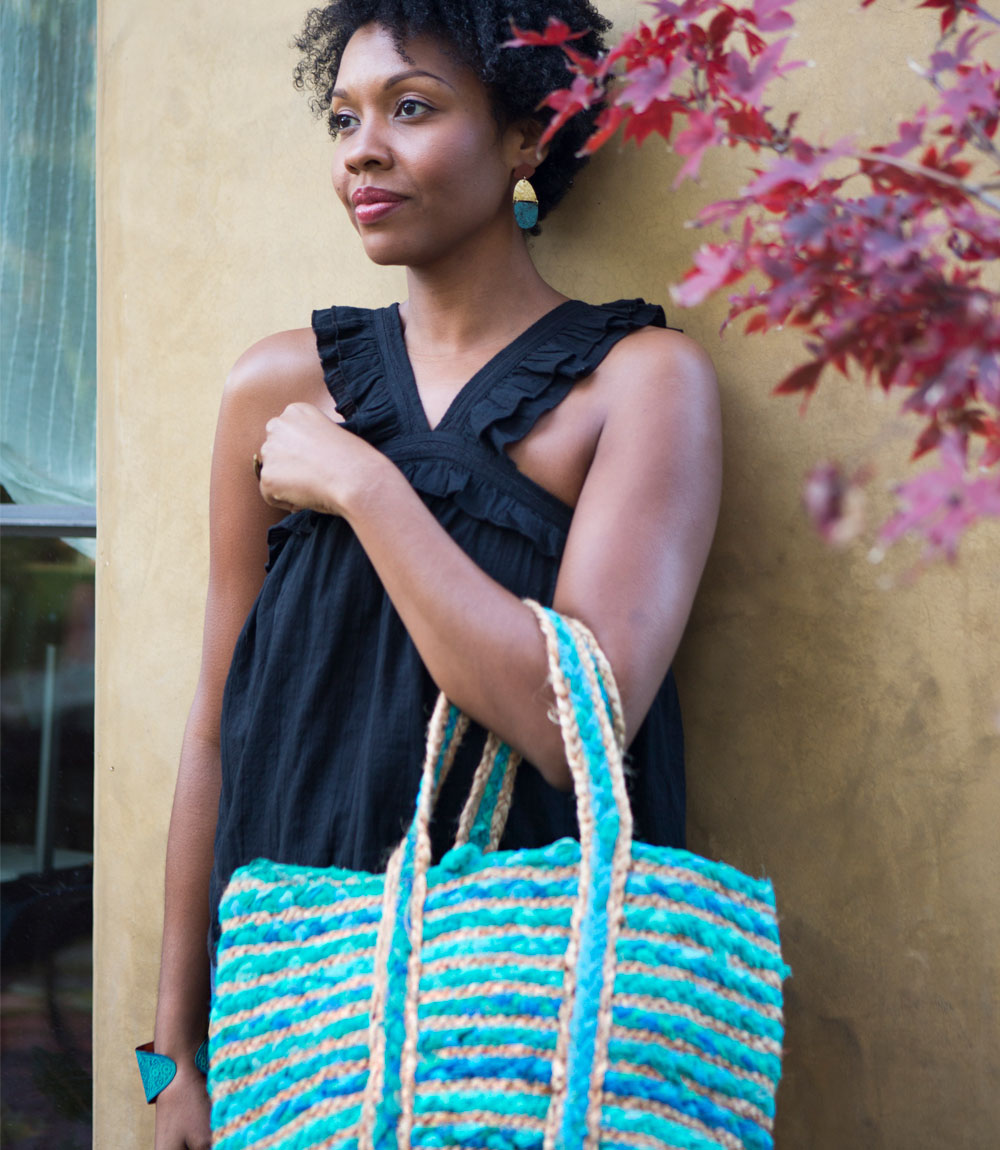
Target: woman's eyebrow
[{"x": 398, "y": 78}]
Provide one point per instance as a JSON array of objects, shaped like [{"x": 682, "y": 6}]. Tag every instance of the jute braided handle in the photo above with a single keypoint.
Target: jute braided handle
[{"x": 590, "y": 716}]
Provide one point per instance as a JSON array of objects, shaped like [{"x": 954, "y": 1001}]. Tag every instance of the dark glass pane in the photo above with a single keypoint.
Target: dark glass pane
[{"x": 46, "y": 837}]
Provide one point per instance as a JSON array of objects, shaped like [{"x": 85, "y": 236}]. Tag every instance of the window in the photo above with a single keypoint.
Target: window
[{"x": 47, "y": 433}]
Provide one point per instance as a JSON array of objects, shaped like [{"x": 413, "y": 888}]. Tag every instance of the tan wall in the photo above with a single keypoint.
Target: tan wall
[{"x": 841, "y": 736}]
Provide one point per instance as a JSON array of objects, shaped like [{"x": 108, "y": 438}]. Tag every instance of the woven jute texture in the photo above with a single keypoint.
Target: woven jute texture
[{"x": 593, "y": 995}]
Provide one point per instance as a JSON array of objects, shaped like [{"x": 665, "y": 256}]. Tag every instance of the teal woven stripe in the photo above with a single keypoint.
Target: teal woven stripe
[
  {"x": 313, "y": 1132},
  {"x": 298, "y": 994},
  {"x": 746, "y": 918},
  {"x": 258, "y": 958},
  {"x": 488, "y": 977},
  {"x": 280, "y": 1074},
  {"x": 519, "y": 1005},
  {"x": 498, "y": 1065},
  {"x": 686, "y": 993},
  {"x": 594, "y": 925},
  {"x": 668, "y": 1062},
  {"x": 728, "y": 876},
  {"x": 697, "y": 930},
  {"x": 455, "y": 946},
  {"x": 479, "y": 836},
  {"x": 712, "y": 1042},
  {"x": 666, "y": 956},
  {"x": 667, "y": 1135},
  {"x": 507, "y": 919},
  {"x": 630, "y": 1089},
  {"x": 318, "y": 921},
  {"x": 433, "y": 1101},
  {"x": 494, "y": 885},
  {"x": 335, "y": 1016},
  {"x": 432, "y": 1040}
]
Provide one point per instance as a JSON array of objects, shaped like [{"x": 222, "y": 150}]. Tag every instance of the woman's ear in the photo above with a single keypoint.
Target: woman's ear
[{"x": 528, "y": 153}]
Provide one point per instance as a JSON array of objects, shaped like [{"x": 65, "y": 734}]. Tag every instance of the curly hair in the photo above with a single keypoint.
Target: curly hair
[{"x": 474, "y": 30}]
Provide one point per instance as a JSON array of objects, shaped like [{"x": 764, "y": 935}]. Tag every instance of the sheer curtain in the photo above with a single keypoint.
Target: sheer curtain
[{"x": 48, "y": 329}]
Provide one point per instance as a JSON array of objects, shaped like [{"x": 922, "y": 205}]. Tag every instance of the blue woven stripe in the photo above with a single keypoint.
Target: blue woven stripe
[
  {"x": 268, "y": 1021},
  {"x": 669, "y": 1063},
  {"x": 281, "y": 1075},
  {"x": 684, "y": 992},
  {"x": 288, "y": 1111},
  {"x": 715, "y": 938},
  {"x": 594, "y": 926},
  {"x": 493, "y": 885},
  {"x": 760, "y": 889},
  {"x": 674, "y": 1026},
  {"x": 518, "y": 1005},
  {"x": 743, "y": 917},
  {"x": 689, "y": 1103},
  {"x": 472, "y": 1135},
  {"x": 668, "y": 954},
  {"x": 502, "y": 972}
]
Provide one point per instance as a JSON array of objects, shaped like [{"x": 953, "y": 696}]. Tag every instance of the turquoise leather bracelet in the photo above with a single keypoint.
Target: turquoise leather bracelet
[{"x": 157, "y": 1070}]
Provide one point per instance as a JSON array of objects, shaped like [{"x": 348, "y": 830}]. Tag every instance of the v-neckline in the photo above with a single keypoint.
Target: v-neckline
[{"x": 403, "y": 382}]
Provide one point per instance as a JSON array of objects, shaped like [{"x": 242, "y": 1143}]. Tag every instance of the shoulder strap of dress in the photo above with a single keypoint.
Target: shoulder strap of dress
[
  {"x": 354, "y": 370},
  {"x": 542, "y": 378}
]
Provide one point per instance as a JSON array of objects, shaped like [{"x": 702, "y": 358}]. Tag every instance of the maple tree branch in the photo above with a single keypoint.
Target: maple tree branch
[{"x": 977, "y": 191}]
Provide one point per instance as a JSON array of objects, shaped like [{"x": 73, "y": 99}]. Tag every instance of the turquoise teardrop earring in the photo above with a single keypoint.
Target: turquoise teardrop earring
[{"x": 525, "y": 205}]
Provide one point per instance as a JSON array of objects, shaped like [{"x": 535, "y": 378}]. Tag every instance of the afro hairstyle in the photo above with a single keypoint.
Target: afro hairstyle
[{"x": 474, "y": 31}]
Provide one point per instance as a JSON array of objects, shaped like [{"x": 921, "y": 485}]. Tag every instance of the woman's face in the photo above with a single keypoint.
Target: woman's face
[{"x": 420, "y": 162}]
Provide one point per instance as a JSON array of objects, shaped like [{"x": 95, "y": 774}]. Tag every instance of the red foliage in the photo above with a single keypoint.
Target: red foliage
[{"x": 876, "y": 253}]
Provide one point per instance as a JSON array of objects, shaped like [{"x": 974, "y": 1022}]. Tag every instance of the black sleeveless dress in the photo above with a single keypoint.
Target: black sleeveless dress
[{"x": 327, "y": 700}]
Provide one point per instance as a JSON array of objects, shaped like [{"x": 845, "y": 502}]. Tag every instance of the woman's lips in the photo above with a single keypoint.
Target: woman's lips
[{"x": 373, "y": 204}]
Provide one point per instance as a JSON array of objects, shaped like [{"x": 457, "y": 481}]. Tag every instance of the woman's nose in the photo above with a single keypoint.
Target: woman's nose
[{"x": 366, "y": 148}]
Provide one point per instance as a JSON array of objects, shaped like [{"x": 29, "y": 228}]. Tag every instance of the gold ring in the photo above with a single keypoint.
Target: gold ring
[{"x": 257, "y": 465}]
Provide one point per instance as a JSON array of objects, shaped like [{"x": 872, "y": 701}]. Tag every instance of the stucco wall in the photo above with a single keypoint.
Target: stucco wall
[{"x": 842, "y": 737}]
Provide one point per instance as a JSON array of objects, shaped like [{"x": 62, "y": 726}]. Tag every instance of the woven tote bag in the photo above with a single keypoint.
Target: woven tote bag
[{"x": 593, "y": 995}]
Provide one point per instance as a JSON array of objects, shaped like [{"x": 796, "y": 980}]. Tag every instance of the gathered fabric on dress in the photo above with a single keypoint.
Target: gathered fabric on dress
[{"x": 327, "y": 700}]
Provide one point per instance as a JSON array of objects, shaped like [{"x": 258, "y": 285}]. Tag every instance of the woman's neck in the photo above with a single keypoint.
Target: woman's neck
[{"x": 469, "y": 300}]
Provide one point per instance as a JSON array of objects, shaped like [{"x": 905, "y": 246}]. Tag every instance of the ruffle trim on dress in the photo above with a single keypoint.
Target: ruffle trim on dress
[
  {"x": 481, "y": 499},
  {"x": 354, "y": 372},
  {"x": 542, "y": 378}
]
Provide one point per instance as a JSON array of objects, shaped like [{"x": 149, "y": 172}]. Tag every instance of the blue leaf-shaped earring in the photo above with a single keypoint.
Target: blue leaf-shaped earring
[{"x": 525, "y": 205}]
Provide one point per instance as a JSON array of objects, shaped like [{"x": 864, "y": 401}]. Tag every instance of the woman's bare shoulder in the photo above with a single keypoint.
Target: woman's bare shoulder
[
  {"x": 662, "y": 362},
  {"x": 280, "y": 369}
]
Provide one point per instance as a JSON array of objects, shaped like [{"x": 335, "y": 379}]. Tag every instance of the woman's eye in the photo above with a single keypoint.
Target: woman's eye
[
  {"x": 342, "y": 121},
  {"x": 410, "y": 108}
]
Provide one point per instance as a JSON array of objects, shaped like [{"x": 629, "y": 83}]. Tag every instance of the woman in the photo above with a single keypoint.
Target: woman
[{"x": 485, "y": 441}]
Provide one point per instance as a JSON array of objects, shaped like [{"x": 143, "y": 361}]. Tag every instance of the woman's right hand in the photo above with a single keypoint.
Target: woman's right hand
[{"x": 182, "y": 1112}]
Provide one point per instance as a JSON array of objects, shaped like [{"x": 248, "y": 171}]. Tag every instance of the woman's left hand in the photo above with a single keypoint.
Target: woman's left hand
[{"x": 309, "y": 460}]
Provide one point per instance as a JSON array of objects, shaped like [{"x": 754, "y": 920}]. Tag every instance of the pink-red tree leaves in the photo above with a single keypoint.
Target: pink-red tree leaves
[{"x": 876, "y": 252}]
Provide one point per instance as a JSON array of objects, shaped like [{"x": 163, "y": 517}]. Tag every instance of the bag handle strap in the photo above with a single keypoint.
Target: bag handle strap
[{"x": 590, "y": 716}]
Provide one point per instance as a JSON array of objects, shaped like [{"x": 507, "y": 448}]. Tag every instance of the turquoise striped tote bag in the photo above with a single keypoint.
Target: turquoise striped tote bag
[{"x": 594, "y": 995}]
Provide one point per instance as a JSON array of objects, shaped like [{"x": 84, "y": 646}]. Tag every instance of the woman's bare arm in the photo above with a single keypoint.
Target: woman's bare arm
[
  {"x": 278, "y": 371},
  {"x": 638, "y": 543}
]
